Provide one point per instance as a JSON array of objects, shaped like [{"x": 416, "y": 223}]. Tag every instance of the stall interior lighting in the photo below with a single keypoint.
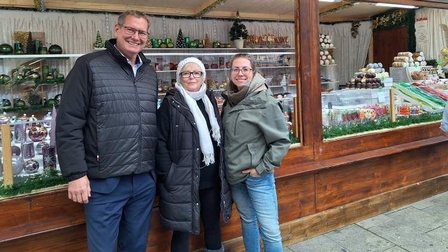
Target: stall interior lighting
[{"x": 396, "y": 5}]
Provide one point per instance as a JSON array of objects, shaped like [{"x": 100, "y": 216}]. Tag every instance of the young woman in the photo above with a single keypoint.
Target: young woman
[{"x": 256, "y": 140}]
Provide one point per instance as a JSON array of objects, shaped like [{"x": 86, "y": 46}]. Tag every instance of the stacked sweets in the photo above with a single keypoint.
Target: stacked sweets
[{"x": 326, "y": 50}]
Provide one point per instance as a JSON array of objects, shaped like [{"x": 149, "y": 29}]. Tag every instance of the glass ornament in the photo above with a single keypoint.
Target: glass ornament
[
  {"x": 28, "y": 150},
  {"x": 37, "y": 133},
  {"x": 49, "y": 157},
  {"x": 15, "y": 150},
  {"x": 31, "y": 166},
  {"x": 20, "y": 132},
  {"x": 18, "y": 164},
  {"x": 40, "y": 146}
]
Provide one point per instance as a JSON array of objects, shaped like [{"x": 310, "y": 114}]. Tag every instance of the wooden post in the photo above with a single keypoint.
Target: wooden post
[
  {"x": 7, "y": 155},
  {"x": 295, "y": 123},
  {"x": 393, "y": 111}
]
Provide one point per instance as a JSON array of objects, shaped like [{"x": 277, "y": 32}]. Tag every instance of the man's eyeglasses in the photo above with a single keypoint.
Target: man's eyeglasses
[
  {"x": 243, "y": 70},
  {"x": 131, "y": 31},
  {"x": 188, "y": 74}
]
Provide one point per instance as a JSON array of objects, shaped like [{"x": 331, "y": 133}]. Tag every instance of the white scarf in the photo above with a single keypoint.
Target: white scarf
[{"x": 205, "y": 141}]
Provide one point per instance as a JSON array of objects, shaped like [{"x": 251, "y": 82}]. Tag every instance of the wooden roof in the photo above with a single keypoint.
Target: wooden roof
[{"x": 281, "y": 10}]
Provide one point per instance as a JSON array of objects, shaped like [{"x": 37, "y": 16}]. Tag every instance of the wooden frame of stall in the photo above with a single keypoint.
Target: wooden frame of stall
[{"x": 322, "y": 185}]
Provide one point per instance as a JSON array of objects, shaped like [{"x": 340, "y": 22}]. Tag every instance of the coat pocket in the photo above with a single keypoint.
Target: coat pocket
[{"x": 169, "y": 177}]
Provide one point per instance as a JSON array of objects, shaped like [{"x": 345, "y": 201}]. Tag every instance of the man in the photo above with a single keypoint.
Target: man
[{"x": 106, "y": 134}]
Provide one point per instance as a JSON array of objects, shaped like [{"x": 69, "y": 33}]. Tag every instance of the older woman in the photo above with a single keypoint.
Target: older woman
[
  {"x": 256, "y": 140},
  {"x": 190, "y": 161}
]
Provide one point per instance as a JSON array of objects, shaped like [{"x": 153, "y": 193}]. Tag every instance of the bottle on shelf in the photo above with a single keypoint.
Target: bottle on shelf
[{"x": 284, "y": 84}]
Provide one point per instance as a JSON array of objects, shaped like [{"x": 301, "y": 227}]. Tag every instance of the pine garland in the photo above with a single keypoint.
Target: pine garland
[
  {"x": 24, "y": 185},
  {"x": 379, "y": 124}
]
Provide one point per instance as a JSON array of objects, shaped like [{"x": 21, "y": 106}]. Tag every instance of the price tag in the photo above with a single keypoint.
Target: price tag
[{"x": 381, "y": 97}]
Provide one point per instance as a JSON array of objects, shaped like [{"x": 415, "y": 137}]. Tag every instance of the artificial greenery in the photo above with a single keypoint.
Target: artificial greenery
[
  {"x": 390, "y": 19},
  {"x": 98, "y": 41},
  {"x": 238, "y": 29},
  {"x": 293, "y": 139},
  {"x": 36, "y": 108},
  {"x": 24, "y": 185},
  {"x": 378, "y": 124},
  {"x": 30, "y": 48}
]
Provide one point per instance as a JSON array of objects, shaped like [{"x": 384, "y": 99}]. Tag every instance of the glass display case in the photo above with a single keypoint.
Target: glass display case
[
  {"x": 351, "y": 111},
  {"x": 342, "y": 106}
]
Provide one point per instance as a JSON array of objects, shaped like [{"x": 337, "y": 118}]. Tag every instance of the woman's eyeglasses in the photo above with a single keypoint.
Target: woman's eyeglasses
[
  {"x": 131, "y": 31},
  {"x": 243, "y": 70},
  {"x": 195, "y": 74}
]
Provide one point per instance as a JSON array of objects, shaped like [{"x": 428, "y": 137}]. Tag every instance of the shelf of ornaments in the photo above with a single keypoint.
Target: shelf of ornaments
[
  {"x": 328, "y": 82},
  {"x": 217, "y": 91},
  {"x": 34, "y": 93},
  {"x": 220, "y": 50},
  {"x": 40, "y": 56},
  {"x": 228, "y": 69},
  {"x": 34, "y": 63},
  {"x": 9, "y": 63},
  {"x": 30, "y": 97},
  {"x": 263, "y": 58},
  {"x": 152, "y": 52},
  {"x": 30, "y": 147}
]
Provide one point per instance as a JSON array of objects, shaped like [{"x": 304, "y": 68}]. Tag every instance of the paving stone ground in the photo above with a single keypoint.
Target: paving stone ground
[{"x": 419, "y": 227}]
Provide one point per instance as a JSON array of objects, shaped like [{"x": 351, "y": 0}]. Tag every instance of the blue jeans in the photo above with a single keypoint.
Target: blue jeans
[{"x": 256, "y": 201}]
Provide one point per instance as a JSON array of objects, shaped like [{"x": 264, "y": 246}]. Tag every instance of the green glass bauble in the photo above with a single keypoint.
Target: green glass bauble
[
  {"x": 6, "y": 49},
  {"x": 55, "y": 49}
]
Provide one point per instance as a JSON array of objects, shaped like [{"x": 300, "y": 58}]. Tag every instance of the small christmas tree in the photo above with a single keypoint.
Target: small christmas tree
[
  {"x": 180, "y": 42},
  {"x": 98, "y": 41},
  {"x": 30, "y": 48},
  {"x": 238, "y": 29}
]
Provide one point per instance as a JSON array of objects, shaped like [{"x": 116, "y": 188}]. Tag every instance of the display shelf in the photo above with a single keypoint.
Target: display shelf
[
  {"x": 279, "y": 86},
  {"x": 228, "y": 69},
  {"x": 334, "y": 85},
  {"x": 37, "y": 75},
  {"x": 40, "y": 56},
  {"x": 273, "y": 63}
]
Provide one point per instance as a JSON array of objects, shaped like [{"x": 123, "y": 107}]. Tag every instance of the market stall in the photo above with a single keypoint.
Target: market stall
[{"x": 321, "y": 185}]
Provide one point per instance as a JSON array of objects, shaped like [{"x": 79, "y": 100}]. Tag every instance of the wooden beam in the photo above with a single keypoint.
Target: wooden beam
[
  {"x": 418, "y": 3},
  {"x": 251, "y": 16},
  {"x": 40, "y": 5},
  {"x": 17, "y": 4},
  {"x": 328, "y": 19},
  {"x": 7, "y": 155},
  {"x": 333, "y": 7},
  {"x": 117, "y": 8},
  {"x": 208, "y": 6}
]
